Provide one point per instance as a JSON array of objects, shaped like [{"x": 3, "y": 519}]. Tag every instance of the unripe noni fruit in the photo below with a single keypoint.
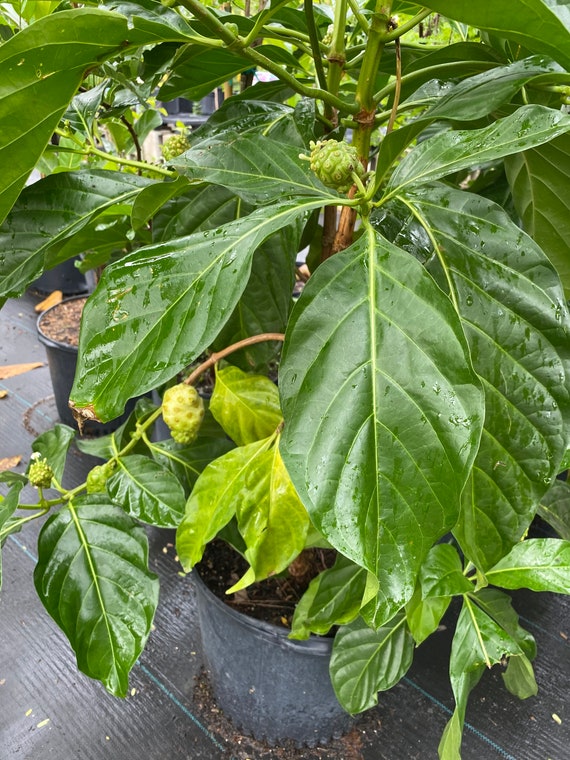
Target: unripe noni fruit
[
  {"x": 97, "y": 477},
  {"x": 334, "y": 163},
  {"x": 40, "y": 473},
  {"x": 183, "y": 412},
  {"x": 174, "y": 146}
]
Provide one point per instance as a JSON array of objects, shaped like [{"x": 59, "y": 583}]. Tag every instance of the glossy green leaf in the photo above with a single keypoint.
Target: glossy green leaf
[
  {"x": 541, "y": 25},
  {"x": 424, "y": 615},
  {"x": 555, "y": 508},
  {"x": 203, "y": 207},
  {"x": 186, "y": 462},
  {"x": 499, "y": 607},
  {"x": 452, "y": 151},
  {"x": 375, "y": 361},
  {"x": 479, "y": 95},
  {"x": 366, "y": 661},
  {"x": 540, "y": 564},
  {"x": 442, "y": 574},
  {"x": 53, "y": 445},
  {"x": 214, "y": 500},
  {"x": 334, "y": 599},
  {"x": 478, "y": 642},
  {"x": 49, "y": 214},
  {"x": 92, "y": 577},
  {"x": 198, "y": 70},
  {"x": 135, "y": 338},
  {"x": 538, "y": 180},
  {"x": 148, "y": 491},
  {"x": 153, "y": 197},
  {"x": 257, "y": 168},
  {"x": 246, "y": 406},
  {"x": 519, "y": 677},
  {"x": 45, "y": 64},
  {"x": 266, "y": 302},
  {"x": 515, "y": 319},
  {"x": 238, "y": 115}
]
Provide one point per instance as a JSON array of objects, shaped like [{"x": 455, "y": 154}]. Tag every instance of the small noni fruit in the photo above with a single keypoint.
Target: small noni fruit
[
  {"x": 334, "y": 163},
  {"x": 40, "y": 473},
  {"x": 174, "y": 146},
  {"x": 97, "y": 478},
  {"x": 183, "y": 412}
]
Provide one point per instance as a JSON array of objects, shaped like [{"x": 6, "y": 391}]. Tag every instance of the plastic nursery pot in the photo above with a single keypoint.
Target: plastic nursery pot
[
  {"x": 270, "y": 686},
  {"x": 62, "y": 360},
  {"x": 65, "y": 277}
]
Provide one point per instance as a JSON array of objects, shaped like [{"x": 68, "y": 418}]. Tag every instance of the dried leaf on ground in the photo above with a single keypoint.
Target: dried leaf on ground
[
  {"x": 8, "y": 462},
  {"x": 3, "y": 394},
  {"x": 51, "y": 300},
  {"x": 10, "y": 370}
]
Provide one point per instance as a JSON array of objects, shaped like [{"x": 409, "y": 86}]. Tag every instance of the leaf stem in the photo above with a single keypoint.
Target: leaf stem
[{"x": 215, "y": 357}]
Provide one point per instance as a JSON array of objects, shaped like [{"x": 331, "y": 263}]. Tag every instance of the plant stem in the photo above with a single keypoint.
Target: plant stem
[
  {"x": 312, "y": 27},
  {"x": 397, "y": 90},
  {"x": 215, "y": 357},
  {"x": 406, "y": 26},
  {"x": 237, "y": 44}
]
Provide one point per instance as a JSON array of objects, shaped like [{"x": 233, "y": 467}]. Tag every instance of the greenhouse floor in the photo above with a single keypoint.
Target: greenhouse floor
[{"x": 49, "y": 710}]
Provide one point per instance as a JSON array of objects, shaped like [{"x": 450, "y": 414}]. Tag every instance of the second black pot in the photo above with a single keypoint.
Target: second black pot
[{"x": 62, "y": 361}]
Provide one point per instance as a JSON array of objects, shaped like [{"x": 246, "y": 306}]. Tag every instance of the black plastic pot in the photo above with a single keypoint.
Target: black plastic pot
[
  {"x": 270, "y": 686},
  {"x": 65, "y": 277},
  {"x": 62, "y": 361}
]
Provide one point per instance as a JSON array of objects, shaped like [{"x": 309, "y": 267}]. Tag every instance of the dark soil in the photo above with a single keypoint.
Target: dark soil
[
  {"x": 61, "y": 323},
  {"x": 272, "y": 600}
]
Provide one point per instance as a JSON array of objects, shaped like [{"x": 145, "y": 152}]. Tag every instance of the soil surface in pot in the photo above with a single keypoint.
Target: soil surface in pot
[
  {"x": 272, "y": 600},
  {"x": 61, "y": 324}
]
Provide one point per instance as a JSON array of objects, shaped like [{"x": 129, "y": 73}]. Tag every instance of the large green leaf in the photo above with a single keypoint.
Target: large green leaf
[
  {"x": 266, "y": 302},
  {"x": 382, "y": 411},
  {"x": 442, "y": 574},
  {"x": 365, "y": 661},
  {"x": 238, "y": 115},
  {"x": 39, "y": 231},
  {"x": 541, "y": 25},
  {"x": 541, "y": 564},
  {"x": 202, "y": 207},
  {"x": 515, "y": 319},
  {"x": 479, "y": 95},
  {"x": 424, "y": 615},
  {"x": 479, "y": 642},
  {"x": 44, "y": 64},
  {"x": 198, "y": 70},
  {"x": 539, "y": 182},
  {"x": 157, "y": 309},
  {"x": 246, "y": 406},
  {"x": 93, "y": 579},
  {"x": 455, "y": 150},
  {"x": 257, "y": 168},
  {"x": 214, "y": 500},
  {"x": 148, "y": 491}
]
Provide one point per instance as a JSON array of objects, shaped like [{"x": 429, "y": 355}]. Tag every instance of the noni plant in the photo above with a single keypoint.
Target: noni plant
[{"x": 421, "y": 411}]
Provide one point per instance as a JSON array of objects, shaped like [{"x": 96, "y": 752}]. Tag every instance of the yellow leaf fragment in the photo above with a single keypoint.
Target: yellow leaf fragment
[
  {"x": 11, "y": 370},
  {"x": 557, "y": 719},
  {"x": 8, "y": 462},
  {"x": 29, "y": 712},
  {"x": 43, "y": 723},
  {"x": 3, "y": 394},
  {"x": 51, "y": 300}
]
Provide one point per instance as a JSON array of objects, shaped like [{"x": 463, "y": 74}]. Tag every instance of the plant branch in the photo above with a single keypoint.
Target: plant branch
[
  {"x": 397, "y": 89},
  {"x": 215, "y": 357},
  {"x": 314, "y": 39},
  {"x": 360, "y": 17}
]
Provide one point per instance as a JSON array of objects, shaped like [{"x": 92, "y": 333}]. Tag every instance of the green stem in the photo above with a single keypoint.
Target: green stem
[
  {"x": 337, "y": 51},
  {"x": 434, "y": 72},
  {"x": 20, "y": 522},
  {"x": 313, "y": 36},
  {"x": 261, "y": 22},
  {"x": 360, "y": 17},
  {"x": 237, "y": 44}
]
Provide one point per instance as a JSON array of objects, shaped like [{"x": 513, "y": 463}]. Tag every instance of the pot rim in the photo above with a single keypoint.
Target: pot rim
[
  {"x": 319, "y": 645},
  {"x": 43, "y": 338}
]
